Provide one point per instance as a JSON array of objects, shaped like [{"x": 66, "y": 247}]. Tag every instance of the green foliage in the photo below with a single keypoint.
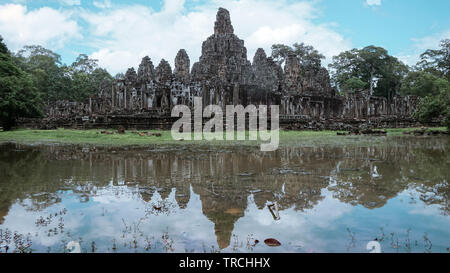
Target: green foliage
[
  {"x": 392, "y": 74},
  {"x": 309, "y": 57},
  {"x": 86, "y": 77},
  {"x": 422, "y": 84},
  {"x": 35, "y": 72},
  {"x": 18, "y": 95},
  {"x": 45, "y": 68},
  {"x": 431, "y": 80},
  {"x": 55, "y": 81},
  {"x": 434, "y": 107},
  {"x": 119, "y": 76},
  {"x": 437, "y": 61},
  {"x": 372, "y": 65},
  {"x": 3, "y": 48},
  {"x": 353, "y": 84}
]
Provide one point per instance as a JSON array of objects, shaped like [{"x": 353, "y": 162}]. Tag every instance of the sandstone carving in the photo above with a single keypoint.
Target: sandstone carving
[{"x": 182, "y": 66}]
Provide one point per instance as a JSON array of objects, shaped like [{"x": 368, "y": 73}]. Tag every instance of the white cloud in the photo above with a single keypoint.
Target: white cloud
[
  {"x": 63, "y": 2},
  {"x": 102, "y": 4},
  {"x": 373, "y": 2},
  {"x": 431, "y": 41},
  {"x": 420, "y": 45},
  {"x": 122, "y": 36},
  {"x": 71, "y": 2},
  {"x": 45, "y": 26}
]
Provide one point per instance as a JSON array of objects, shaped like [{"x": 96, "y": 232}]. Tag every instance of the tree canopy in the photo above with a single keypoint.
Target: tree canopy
[
  {"x": 86, "y": 77},
  {"x": 3, "y": 48},
  {"x": 381, "y": 72},
  {"x": 35, "y": 75},
  {"x": 432, "y": 107},
  {"x": 421, "y": 83},
  {"x": 18, "y": 95},
  {"x": 307, "y": 55},
  {"x": 430, "y": 80},
  {"x": 56, "y": 81},
  {"x": 437, "y": 61}
]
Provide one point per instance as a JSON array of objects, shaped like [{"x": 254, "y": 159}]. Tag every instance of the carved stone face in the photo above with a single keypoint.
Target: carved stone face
[{"x": 223, "y": 23}]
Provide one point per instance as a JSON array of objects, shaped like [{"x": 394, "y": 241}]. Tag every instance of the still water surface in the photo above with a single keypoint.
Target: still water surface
[{"x": 209, "y": 199}]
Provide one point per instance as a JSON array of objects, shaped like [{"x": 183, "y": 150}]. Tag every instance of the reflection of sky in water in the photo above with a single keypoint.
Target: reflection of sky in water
[
  {"x": 331, "y": 199},
  {"x": 118, "y": 213}
]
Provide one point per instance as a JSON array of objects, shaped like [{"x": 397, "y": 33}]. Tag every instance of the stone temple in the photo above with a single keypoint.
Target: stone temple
[{"x": 223, "y": 75}]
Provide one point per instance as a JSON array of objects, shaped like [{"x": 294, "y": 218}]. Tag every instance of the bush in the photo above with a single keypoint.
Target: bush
[{"x": 432, "y": 107}]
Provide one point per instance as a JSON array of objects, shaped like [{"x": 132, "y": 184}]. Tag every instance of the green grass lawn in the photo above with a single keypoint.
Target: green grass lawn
[{"x": 132, "y": 138}]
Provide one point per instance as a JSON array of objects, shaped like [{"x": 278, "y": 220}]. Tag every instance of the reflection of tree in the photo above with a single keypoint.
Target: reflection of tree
[
  {"x": 371, "y": 176},
  {"x": 3, "y": 212},
  {"x": 366, "y": 183},
  {"x": 300, "y": 181},
  {"x": 429, "y": 174},
  {"x": 304, "y": 193},
  {"x": 24, "y": 175}
]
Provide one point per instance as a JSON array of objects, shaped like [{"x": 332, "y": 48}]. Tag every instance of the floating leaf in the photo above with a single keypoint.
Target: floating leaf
[{"x": 272, "y": 242}]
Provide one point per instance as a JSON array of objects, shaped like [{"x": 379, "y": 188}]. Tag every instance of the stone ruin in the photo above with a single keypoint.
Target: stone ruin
[{"x": 223, "y": 75}]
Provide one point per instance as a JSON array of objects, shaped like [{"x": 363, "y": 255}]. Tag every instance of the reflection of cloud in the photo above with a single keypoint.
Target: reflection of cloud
[
  {"x": 320, "y": 229},
  {"x": 22, "y": 221},
  {"x": 420, "y": 208},
  {"x": 428, "y": 210},
  {"x": 325, "y": 212},
  {"x": 104, "y": 217},
  {"x": 294, "y": 227}
]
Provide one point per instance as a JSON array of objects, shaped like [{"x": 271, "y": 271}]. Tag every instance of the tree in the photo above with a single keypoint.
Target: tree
[
  {"x": 434, "y": 107},
  {"x": 353, "y": 84},
  {"x": 86, "y": 77},
  {"x": 431, "y": 80},
  {"x": 308, "y": 57},
  {"x": 46, "y": 70},
  {"x": 372, "y": 65},
  {"x": 422, "y": 84},
  {"x": 18, "y": 95},
  {"x": 57, "y": 81},
  {"x": 437, "y": 61},
  {"x": 390, "y": 83},
  {"x": 3, "y": 48},
  {"x": 84, "y": 64},
  {"x": 119, "y": 76}
]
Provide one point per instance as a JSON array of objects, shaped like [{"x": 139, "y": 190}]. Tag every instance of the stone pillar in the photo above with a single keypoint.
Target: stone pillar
[
  {"x": 125, "y": 98},
  {"x": 205, "y": 95},
  {"x": 236, "y": 94},
  {"x": 113, "y": 101},
  {"x": 90, "y": 105}
]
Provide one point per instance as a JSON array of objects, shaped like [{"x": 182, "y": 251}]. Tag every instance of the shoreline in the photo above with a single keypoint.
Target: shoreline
[{"x": 161, "y": 138}]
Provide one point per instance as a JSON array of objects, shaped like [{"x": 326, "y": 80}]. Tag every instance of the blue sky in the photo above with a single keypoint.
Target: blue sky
[{"x": 119, "y": 33}]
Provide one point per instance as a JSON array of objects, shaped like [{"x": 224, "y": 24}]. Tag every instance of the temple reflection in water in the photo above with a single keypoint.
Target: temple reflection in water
[{"x": 226, "y": 179}]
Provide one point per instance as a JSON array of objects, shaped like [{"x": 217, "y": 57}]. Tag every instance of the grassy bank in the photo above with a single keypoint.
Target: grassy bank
[{"x": 158, "y": 137}]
